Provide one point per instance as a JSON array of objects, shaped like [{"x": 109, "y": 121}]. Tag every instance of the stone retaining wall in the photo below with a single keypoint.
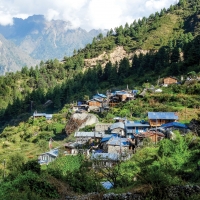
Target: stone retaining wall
[{"x": 170, "y": 193}]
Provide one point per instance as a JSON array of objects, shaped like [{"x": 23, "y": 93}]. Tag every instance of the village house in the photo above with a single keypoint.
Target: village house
[
  {"x": 117, "y": 128},
  {"x": 153, "y": 136},
  {"x": 118, "y": 145},
  {"x": 47, "y": 157},
  {"x": 104, "y": 159},
  {"x": 95, "y": 103},
  {"x": 102, "y": 127},
  {"x": 175, "y": 125},
  {"x": 99, "y": 96},
  {"x": 74, "y": 148},
  {"x": 121, "y": 96},
  {"x": 132, "y": 128},
  {"x": 86, "y": 136},
  {"x": 81, "y": 108},
  {"x": 170, "y": 80},
  {"x": 156, "y": 119},
  {"x": 47, "y": 116}
]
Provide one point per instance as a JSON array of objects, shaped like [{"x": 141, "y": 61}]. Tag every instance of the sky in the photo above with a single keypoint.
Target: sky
[{"x": 87, "y": 14}]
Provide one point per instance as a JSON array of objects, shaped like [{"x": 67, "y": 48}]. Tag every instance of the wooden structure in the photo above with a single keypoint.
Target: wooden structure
[
  {"x": 154, "y": 137},
  {"x": 95, "y": 102},
  {"x": 170, "y": 80},
  {"x": 73, "y": 148},
  {"x": 156, "y": 119}
]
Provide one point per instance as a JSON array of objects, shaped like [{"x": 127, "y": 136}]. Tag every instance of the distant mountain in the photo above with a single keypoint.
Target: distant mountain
[
  {"x": 44, "y": 40},
  {"x": 12, "y": 58}
]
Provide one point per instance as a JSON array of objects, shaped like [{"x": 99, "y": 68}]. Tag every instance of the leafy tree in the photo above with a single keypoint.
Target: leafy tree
[{"x": 15, "y": 163}]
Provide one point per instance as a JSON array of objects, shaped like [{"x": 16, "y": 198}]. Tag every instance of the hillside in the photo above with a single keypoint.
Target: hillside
[
  {"x": 137, "y": 57},
  {"x": 130, "y": 55}
]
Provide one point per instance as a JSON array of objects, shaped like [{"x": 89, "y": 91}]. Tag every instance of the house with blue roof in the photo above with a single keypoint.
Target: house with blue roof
[
  {"x": 46, "y": 158},
  {"x": 121, "y": 96},
  {"x": 99, "y": 96},
  {"x": 156, "y": 119},
  {"x": 117, "y": 145},
  {"x": 175, "y": 125},
  {"x": 132, "y": 128},
  {"x": 118, "y": 128}
]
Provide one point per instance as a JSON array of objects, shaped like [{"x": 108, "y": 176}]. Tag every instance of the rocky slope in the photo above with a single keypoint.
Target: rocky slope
[
  {"x": 12, "y": 58},
  {"x": 115, "y": 56}
]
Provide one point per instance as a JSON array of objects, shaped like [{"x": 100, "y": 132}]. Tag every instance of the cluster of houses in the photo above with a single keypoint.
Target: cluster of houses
[
  {"x": 101, "y": 102},
  {"x": 118, "y": 141},
  {"x": 111, "y": 142}
]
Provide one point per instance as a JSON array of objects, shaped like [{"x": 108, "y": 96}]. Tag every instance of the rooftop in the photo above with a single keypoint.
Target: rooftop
[
  {"x": 105, "y": 156},
  {"x": 89, "y": 134},
  {"x": 162, "y": 115},
  {"x": 117, "y": 125}
]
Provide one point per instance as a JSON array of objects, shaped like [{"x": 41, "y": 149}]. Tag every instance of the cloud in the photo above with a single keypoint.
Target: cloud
[
  {"x": 5, "y": 19},
  {"x": 88, "y": 14},
  {"x": 52, "y": 14}
]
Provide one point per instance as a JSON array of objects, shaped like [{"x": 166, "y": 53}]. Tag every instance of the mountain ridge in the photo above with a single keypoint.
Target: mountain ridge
[
  {"x": 12, "y": 57},
  {"x": 44, "y": 40}
]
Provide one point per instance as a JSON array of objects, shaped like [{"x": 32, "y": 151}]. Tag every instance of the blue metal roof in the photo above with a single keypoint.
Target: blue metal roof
[
  {"x": 162, "y": 115},
  {"x": 135, "y": 91},
  {"x": 105, "y": 139},
  {"x": 136, "y": 124},
  {"x": 99, "y": 151},
  {"x": 107, "y": 185},
  {"x": 174, "y": 124},
  {"x": 117, "y": 125},
  {"x": 99, "y": 95},
  {"x": 117, "y": 141},
  {"x": 53, "y": 152}
]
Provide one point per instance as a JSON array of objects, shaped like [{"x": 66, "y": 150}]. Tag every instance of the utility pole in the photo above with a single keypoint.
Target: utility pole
[{"x": 4, "y": 167}]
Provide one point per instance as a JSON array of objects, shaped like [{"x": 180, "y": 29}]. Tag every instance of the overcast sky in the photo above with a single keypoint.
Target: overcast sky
[{"x": 87, "y": 14}]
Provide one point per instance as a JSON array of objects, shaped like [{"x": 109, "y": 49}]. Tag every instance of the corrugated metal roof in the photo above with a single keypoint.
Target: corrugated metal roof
[
  {"x": 89, "y": 134},
  {"x": 174, "y": 124},
  {"x": 39, "y": 114},
  {"x": 117, "y": 125},
  {"x": 108, "y": 136},
  {"x": 162, "y": 115},
  {"x": 99, "y": 95},
  {"x": 105, "y": 156},
  {"x": 53, "y": 152},
  {"x": 117, "y": 141},
  {"x": 49, "y": 116},
  {"x": 107, "y": 184},
  {"x": 136, "y": 124}
]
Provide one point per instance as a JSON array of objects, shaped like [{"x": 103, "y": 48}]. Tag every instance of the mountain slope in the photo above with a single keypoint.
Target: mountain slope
[
  {"x": 44, "y": 39},
  {"x": 12, "y": 58}
]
